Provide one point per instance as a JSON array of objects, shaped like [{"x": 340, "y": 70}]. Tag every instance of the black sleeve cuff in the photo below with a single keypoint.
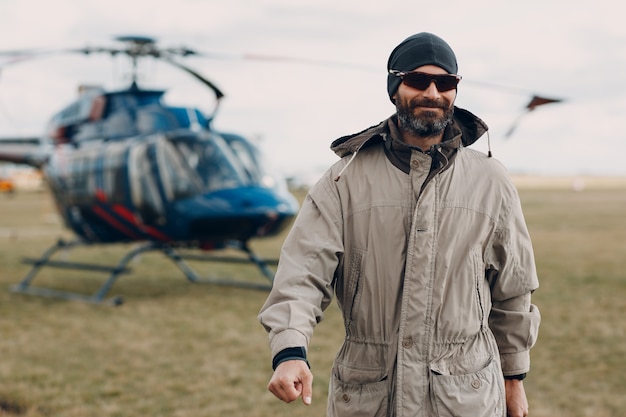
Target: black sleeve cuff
[
  {"x": 290, "y": 354},
  {"x": 518, "y": 377}
]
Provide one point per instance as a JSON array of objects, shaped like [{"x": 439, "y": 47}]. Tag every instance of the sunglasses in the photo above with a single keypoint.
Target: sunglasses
[{"x": 422, "y": 80}]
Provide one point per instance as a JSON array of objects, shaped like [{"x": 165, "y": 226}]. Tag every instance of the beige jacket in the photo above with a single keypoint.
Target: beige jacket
[{"x": 433, "y": 277}]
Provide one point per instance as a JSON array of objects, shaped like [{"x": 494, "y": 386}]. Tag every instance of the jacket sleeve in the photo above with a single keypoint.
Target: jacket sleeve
[
  {"x": 512, "y": 275},
  {"x": 303, "y": 284}
]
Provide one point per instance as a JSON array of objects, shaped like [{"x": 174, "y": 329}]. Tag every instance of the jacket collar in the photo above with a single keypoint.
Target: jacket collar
[{"x": 464, "y": 131}]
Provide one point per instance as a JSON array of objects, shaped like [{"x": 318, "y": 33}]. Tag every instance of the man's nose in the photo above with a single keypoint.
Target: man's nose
[{"x": 431, "y": 91}]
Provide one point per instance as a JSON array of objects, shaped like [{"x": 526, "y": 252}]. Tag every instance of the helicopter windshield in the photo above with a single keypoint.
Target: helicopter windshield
[
  {"x": 248, "y": 157},
  {"x": 252, "y": 162},
  {"x": 214, "y": 162}
]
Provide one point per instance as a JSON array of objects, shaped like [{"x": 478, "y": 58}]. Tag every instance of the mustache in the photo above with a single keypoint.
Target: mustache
[{"x": 435, "y": 104}]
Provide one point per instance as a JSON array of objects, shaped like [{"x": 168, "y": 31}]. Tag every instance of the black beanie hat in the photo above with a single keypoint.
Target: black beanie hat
[{"x": 417, "y": 50}]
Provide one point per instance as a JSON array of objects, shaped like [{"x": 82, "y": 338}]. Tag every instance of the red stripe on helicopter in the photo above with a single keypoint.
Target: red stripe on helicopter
[
  {"x": 130, "y": 217},
  {"x": 100, "y": 195},
  {"x": 113, "y": 222}
]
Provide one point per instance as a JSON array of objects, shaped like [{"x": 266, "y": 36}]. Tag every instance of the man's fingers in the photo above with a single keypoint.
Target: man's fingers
[
  {"x": 284, "y": 389},
  {"x": 307, "y": 388}
]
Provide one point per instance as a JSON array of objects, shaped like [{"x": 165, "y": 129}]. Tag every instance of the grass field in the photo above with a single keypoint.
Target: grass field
[{"x": 180, "y": 349}]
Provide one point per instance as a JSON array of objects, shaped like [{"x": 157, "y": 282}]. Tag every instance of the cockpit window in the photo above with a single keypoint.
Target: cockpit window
[
  {"x": 247, "y": 160},
  {"x": 213, "y": 161},
  {"x": 252, "y": 162}
]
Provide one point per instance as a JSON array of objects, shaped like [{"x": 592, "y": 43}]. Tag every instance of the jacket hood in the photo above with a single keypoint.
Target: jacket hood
[{"x": 465, "y": 123}]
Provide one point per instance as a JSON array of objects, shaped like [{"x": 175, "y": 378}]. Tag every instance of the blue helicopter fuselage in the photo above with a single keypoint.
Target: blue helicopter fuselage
[{"x": 124, "y": 167}]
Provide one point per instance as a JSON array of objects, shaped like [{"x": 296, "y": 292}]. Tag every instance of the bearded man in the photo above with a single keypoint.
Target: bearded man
[{"x": 423, "y": 243}]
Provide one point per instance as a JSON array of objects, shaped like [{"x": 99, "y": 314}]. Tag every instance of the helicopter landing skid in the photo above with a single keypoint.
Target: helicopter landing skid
[
  {"x": 191, "y": 275},
  {"x": 99, "y": 297}
]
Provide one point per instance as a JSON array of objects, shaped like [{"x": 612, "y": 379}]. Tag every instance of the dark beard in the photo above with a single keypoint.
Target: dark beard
[{"x": 427, "y": 124}]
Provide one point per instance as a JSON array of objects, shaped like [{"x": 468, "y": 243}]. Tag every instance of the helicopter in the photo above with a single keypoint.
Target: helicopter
[{"x": 124, "y": 167}]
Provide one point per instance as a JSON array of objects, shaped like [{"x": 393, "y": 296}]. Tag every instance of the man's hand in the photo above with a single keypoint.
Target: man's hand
[
  {"x": 516, "y": 402},
  {"x": 291, "y": 380}
]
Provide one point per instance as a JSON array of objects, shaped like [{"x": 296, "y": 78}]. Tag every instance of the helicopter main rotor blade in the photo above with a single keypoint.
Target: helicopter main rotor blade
[
  {"x": 218, "y": 93},
  {"x": 136, "y": 47},
  {"x": 16, "y": 56},
  {"x": 283, "y": 58}
]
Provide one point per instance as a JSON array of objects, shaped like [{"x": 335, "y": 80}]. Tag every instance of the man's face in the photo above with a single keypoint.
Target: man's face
[{"x": 425, "y": 113}]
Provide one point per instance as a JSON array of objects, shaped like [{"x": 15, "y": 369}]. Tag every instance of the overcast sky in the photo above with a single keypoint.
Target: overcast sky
[{"x": 566, "y": 49}]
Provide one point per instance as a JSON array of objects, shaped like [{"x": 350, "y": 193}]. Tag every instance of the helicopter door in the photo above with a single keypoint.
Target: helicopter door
[
  {"x": 144, "y": 190},
  {"x": 159, "y": 175},
  {"x": 178, "y": 180}
]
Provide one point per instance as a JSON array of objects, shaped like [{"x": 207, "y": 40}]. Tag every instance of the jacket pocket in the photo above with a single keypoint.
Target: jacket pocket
[
  {"x": 357, "y": 400},
  {"x": 479, "y": 278},
  {"x": 476, "y": 394},
  {"x": 352, "y": 294}
]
